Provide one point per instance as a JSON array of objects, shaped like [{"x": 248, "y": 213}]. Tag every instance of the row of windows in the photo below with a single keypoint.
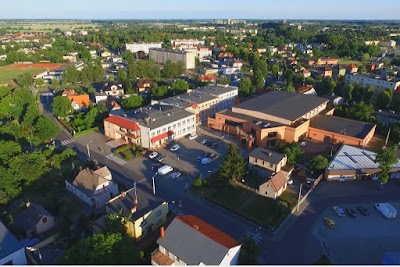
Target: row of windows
[{"x": 264, "y": 163}]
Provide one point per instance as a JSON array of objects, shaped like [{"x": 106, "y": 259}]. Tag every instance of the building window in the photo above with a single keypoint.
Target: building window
[
  {"x": 179, "y": 124},
  {"x": 158, "y": 131},
  {"x": 158, "y": 213},
  {"x": 44, "y": 220}
]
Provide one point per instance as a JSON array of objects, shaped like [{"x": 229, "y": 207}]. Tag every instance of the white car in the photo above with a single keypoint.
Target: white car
[
  {"x": 204, "y": 141},
  {"x": 303, "y": 144},
  {"x": 205, "y": 161},
  {"x": 290, "y": 181},
  {"x": 175, "y": 147},
  {"x": 153, "y": 155},
  {"x": 175, "y": 175},
  {"x": 192, "y": 136}
]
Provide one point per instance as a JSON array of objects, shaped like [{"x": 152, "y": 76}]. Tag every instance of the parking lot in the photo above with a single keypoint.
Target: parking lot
[{"x": 360, "y": 240}]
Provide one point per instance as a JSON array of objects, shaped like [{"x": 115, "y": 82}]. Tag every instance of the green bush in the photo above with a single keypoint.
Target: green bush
[
  {"x": 198, "y": 182},
  {"x": 47, "y": 152},
  {"x": 121, "y": 149}
]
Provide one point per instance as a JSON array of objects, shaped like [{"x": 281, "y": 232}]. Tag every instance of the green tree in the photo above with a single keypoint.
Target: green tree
[
  {"x": 8, "y": 149},
  {"x": 244, "y": 86},
  {"x": 61, "y": 106},
  {"x": 223, "y": 80},
  {"x": 39, "y": 82},
  {"x": 385, "y": 158},
  {"x": 249, "y": 252},
  {"x": 71, "y": 75},
  {"x": 122, "y": 76},
  {"x": 383, "y": 99},
  {"x": 24, "y": 79},
  {"x": 46, "y": 129},
  {"x": 289, "y": 88},
  {"x": 132, "y": 102},
  {"x": 179, "y": 87},
  {"x": 233, "y": 165},
  {"x": 292, "y": 150},
  {"x": 319, "y": 163}
]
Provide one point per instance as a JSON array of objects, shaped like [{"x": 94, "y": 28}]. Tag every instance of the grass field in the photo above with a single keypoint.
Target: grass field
[
  {"x": 8, "y": 75},
  {"x": 46, "y": 26}
]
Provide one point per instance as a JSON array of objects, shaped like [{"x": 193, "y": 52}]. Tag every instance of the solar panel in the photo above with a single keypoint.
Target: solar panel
[
  {"x": 368, "y": 156},
  {"x": 350, "y": 157}
]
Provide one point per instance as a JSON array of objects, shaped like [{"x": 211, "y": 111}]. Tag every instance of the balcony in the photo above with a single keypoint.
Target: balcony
[{"x": 159, "y": 258}]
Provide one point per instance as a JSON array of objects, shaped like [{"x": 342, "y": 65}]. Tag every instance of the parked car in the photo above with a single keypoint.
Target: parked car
[
  {"x": 175, "y": 147},
  {"x": 303, "y": 144},
  {"x": 290, "y": 181},
  {"x": 153, "y": 155},
  {"x": 330, "y": 222},
  {"x": 161, "y": 158},
  {"x": 213, "y": 156},
  {"x": 363, "y": 211},
  {"x": 204, "y": 141},
  {"x": 192, "y": 136},
  {"x": 205, "y": 161},
  {"x": 339, "y": 211},
  {"x": 351, "y": 213},
  {"x": 214, "y": 145},
  {"x": 175, "y": 175}
]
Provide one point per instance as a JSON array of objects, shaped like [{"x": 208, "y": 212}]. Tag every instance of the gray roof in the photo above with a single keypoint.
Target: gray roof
[
  {"x": 353, "y": 158},
  {"x": 267, "y": 155},
  {"x": 261, "y": 123},
  {"x": 290, "y": 106},
  {"x": 160, "y": 114},
  {"x": 8, "y": 242},
  {"x": 88, "y": 180},
  {"x": 341, "y": 125},
  {"x": 216, "y": 90},
  {"x": 30, "y": 217},
  {"x": 146, "y": 202},
  {"x": 190, "y": 245},
  {"x": 185, "y": 100}
]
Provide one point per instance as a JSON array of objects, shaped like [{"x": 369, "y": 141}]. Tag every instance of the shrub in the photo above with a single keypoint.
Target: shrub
[
  {"x": 198, "y": 182},
  {"x": 121, "y": 149}
]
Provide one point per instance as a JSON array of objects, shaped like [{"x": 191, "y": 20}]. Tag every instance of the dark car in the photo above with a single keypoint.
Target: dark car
[
  {"x": 161, "y": 158},
  {"x": 363, "y": 211},
  {"x": 214, "y": 145},
  {"x": 213, "y": 156},
  {"x": 351, "y": 213}
]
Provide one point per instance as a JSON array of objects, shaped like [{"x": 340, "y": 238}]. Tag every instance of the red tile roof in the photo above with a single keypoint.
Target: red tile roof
[
  {"x": 209, "y": 231},
  {"x": 161, "y": 136},
  {"x": 81, "y": 100},
  {"x": 124, "y": 123}
]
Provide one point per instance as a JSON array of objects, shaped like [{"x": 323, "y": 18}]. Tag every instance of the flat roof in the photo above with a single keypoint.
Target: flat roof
[
  {"x": 158, "y": 115},
  {"x": 282, "y": 104},
  {"x": 341, "y": 125},
  {"x": 353, "y": 158},
  {"x": 267, "y": 155},
  {"x": 263, "y": 124},
  {"x": 216, "y": 90}
]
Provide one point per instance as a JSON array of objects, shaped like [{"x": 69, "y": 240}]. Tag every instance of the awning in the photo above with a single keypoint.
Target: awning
[{"x": 161, "y": 136}]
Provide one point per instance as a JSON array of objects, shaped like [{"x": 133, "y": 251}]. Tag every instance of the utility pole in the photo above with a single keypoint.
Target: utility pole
[
  {"x": 154, "y": 184},
  {"x": 387, "y": 139},
  {"x": 88, "y": 150}
]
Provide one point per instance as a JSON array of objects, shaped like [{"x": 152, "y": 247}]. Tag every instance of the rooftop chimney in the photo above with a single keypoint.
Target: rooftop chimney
[
  {"x": 270, "y": 154},
  {"x": 196, "y": 227},
  {"x": 133, "y": 209},
  {"x": 87, "y": 169},
  {"x": 28, "y": 204},
  {"x": 162, "y": 231}
]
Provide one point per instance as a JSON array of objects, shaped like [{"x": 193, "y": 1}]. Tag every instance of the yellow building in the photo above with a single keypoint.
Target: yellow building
[{"x": 145, "y": 211}]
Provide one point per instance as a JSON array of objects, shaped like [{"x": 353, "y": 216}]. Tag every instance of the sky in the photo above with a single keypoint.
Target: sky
[{"x": 201, "y": 9}]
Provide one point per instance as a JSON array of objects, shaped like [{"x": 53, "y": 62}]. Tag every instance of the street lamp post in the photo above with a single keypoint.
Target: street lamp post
[
  {"x": 298, "y": 199},
  {"x": 177, "y": 163},
  {"x": 88, "y": 150},
  {"x": 154, "y": 184}
]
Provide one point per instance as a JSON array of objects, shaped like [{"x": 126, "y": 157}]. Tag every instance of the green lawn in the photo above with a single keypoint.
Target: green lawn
[
  {"x": 230, "y": 197},
  {"x": 8, "y": 75}
]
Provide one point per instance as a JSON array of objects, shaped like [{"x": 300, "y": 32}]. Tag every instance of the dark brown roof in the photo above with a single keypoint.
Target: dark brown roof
[{"x": 278, "y": 181}]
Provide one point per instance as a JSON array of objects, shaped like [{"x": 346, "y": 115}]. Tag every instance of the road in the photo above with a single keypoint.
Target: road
[{"x": 296, "y": 245}]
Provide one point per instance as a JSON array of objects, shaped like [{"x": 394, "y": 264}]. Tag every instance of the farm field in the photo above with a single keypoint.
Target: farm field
[{"x": 45, "y": 26}]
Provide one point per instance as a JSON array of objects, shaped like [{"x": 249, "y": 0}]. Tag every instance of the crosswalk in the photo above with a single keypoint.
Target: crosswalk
[
  {"x": 255, "y": 236},
  {"x": 66, "y": 142},
  {"x": 116, "y": 159}
]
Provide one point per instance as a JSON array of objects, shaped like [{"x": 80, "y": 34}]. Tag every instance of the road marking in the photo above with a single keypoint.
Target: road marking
[
  {"x": 116, "y": 159},
  {"x": 66, "y": 142},
  {"x": 141, "y": 181}
]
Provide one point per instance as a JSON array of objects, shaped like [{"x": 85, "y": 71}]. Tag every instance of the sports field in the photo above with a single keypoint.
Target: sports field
[{"x": 10, "y": 72}]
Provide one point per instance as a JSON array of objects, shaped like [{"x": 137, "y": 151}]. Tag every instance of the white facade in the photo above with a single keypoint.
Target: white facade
[
  {"x": 100, "y": 196},
  {"x": 186, "y": 43},
  {"x": 136, "y": 47},
  {"x": 377, "y": 82},
  {"x": 160, "y": 56},
  {"x": 232, "y": 257}
]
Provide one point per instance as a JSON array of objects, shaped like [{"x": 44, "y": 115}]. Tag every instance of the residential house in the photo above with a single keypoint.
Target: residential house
[
  {"x": 274, "y": 186},
  {"x": 143, "y": 85},
  {"x": 209, "y": 78},
  {"x": 237, "y": 64},
  {"x": 267, "y": 118},
  {"x": 95, "y": 188},
  {"x": 12, "y": 252},
  {"x": 33, "y": 221},
  {"x": 78, "y": 102},
  {"x": 353, "y": 163},
  {"x": 151, "y": 127},
  {"x": 146, "y": 212},
  {"x": 307, "y": 90},
  {"x": 307, "y": 61},
  {"x": 326, "y": 71},
  {"x": 352, "y": 68},
  {"x": 189, "y": 240},
  {"x": 341, "y": 71},
  {"x": 305, "y": 72},
  {"x": 113, "y": 89},
  {"x": 266, "y": 162},
  {"x": 106, "y": 54},
  {"x": 222, "y": 55}
]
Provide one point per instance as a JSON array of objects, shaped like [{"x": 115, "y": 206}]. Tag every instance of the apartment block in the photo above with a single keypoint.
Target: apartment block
[{"x": 160, "y": 56}]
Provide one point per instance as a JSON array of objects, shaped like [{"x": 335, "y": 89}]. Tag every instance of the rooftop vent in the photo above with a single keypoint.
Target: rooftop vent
[
  {"x": 258, "y": 123},
  {"x": 196, "y": 227}
]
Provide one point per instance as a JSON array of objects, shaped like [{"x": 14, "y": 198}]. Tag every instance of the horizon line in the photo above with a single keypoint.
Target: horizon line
[{"x": 185, "y": 19}]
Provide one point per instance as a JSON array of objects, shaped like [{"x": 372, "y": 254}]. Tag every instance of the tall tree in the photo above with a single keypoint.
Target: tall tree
[
  {"x": 233, "y": 165},
  {"x": 132, "y": 102},
  {"x": 245, "y": 86},
  {"x": 385, "y": 158},
  {"x": 46, "y": 129},
  {"x": 61, "y": 106}
]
